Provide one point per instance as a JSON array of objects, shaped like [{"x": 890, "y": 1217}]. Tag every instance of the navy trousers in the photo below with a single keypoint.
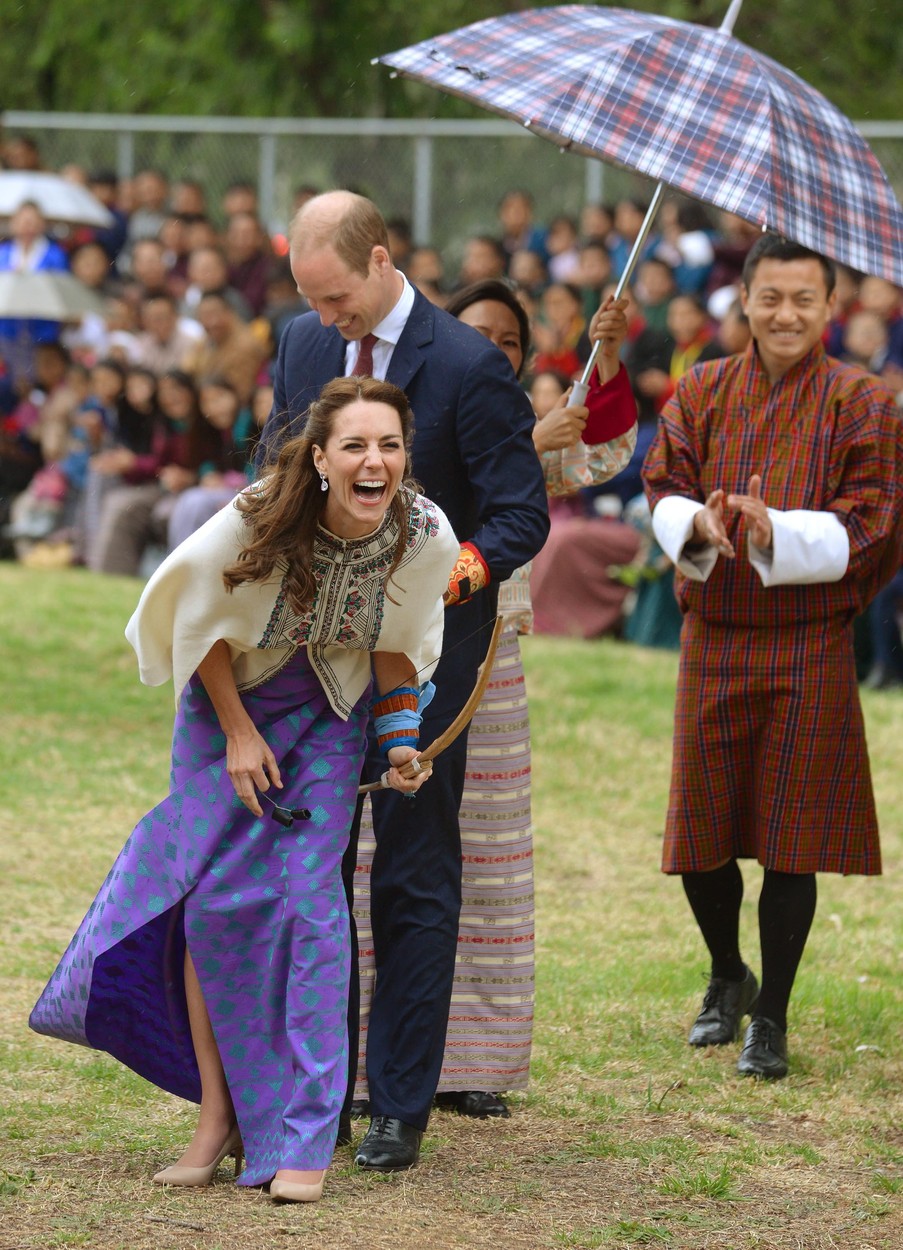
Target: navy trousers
[{"x": 415, "y": 896}]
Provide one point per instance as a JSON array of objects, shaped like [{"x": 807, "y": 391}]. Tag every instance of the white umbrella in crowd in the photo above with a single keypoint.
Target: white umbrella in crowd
[
  {"x": 47, "y": 294},
  {"x": 61, "y": 202}
]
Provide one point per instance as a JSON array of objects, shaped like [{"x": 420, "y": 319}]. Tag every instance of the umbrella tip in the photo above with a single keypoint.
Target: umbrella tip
[{"x": 727, "y": 26}]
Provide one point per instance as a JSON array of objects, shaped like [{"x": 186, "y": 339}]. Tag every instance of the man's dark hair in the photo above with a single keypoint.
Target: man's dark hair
[
  {"x": 54, "y": 348},
  {"x": 694, "y": 298},
  {"x": 400, "y": 226},
  {"x": 491, "y": 241},
  {"x": 221, "y": 294},
  {"x": 161, "y": 296},
  {"x": 660, "y": 261},
  {"x": 776, "y": 247}
]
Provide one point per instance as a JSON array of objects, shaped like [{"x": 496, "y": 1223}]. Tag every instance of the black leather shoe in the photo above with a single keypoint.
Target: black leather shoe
[
  {"x": 475, "y": 1103},
  {"x": 764, "y": 1050},
  {"x": 345, "y": 1136},
  {"x": 360, "y": 1109},
  {"x": 389, "y": 1146},
  {"x": 724, "y": 1006}
]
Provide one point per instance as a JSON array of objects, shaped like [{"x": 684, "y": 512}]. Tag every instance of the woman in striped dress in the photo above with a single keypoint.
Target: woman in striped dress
[{"x": 490, "y": 1026}]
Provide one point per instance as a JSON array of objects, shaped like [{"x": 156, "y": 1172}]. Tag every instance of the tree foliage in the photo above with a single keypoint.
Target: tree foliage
[{"x": 303, "y": 58}]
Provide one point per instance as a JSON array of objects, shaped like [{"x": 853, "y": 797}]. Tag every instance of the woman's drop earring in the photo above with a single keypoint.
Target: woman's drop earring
[{"x": 324, "y": 482}]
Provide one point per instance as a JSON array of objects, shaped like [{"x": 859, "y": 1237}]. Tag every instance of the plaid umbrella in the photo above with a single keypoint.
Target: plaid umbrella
[{"x": 684, "y": 104}]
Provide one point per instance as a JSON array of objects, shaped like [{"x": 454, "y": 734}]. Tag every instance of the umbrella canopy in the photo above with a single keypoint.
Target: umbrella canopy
[
  {"x": 61, "y": 201},
  {"x": 687, "y": 105},
  {"x": 46, "y": 294}
]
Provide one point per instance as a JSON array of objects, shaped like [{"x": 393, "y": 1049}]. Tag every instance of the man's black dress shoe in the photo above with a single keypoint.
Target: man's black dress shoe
[
  {"x": 360, "y": 1109},
  {"x": 345, "y": 1136},
  {"x": 764, "y": 1050},
  {"x": 475, "y": 1103},
  {"x": 389, "y": 1146},
  {"x": 724, "y": 1006}
]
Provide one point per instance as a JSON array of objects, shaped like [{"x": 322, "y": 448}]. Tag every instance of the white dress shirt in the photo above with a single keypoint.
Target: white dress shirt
[{"x": 388, "y": 332}]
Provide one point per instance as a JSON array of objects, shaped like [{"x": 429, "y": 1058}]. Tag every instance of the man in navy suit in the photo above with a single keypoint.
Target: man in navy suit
[{"x": 473, "y": 454}]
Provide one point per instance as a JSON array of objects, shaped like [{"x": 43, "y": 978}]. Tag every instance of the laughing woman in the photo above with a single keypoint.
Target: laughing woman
[{"x": 215, "y": 959}]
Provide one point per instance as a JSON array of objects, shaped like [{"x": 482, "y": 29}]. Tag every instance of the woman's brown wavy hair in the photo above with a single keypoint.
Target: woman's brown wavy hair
[{"x": 283, "y": 514}]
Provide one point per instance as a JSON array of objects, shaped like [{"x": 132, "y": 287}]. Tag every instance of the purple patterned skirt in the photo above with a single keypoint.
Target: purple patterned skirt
[{"x": 263, "y": 912}]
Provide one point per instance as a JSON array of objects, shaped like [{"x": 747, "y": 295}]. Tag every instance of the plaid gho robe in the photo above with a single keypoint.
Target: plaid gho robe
[{"x": 770, "y": 759}]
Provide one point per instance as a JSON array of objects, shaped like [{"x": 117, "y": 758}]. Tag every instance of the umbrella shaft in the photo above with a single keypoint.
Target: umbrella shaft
[{"x": 632, "y": 259}]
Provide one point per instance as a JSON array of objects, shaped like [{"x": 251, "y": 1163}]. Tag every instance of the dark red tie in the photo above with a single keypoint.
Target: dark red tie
[{"x": 364, "y": 364}]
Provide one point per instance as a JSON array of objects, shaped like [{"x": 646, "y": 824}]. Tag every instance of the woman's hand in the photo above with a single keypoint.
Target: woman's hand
[
  {"x": 561, "y": 427},
  {"x": 398, "y": 757},
  {"x": 247, "y": 755},
  {"x": 608, "y": 328},
  {"x": 248, "y": 760}
]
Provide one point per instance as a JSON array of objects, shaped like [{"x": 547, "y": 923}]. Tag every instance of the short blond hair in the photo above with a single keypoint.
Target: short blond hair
[{"x": 350, "y": 224}]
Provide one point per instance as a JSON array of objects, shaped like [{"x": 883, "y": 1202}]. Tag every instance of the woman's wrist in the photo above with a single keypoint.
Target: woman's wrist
[
  {"x": 397, "y": 719},
  {"x": 238, "y": 729}
]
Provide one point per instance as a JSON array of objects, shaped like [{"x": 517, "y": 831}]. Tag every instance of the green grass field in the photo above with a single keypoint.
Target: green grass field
[{"x": 627, "y": 1137}]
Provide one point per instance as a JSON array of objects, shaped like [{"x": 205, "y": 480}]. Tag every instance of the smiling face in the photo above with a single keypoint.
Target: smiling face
[
  {"x": 364, "y": 461},
  {"x": 788, "y": 307},
  {"x": 496, "y": 322},
  {"x": 351, "y": 301}
]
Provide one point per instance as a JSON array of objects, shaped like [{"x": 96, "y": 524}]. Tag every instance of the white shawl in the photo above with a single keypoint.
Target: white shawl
[{"x": 185, "y": 608}]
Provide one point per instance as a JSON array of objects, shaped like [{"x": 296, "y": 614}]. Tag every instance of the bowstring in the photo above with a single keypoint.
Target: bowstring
[{"x": 460, "y": 643}]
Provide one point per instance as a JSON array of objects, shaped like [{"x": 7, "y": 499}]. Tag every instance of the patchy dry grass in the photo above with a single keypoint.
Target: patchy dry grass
[{"x": 628, "y": 1137}]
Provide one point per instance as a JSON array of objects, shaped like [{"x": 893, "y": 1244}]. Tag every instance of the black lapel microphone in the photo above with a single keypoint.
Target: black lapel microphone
[{"x": 286, "y": 816}]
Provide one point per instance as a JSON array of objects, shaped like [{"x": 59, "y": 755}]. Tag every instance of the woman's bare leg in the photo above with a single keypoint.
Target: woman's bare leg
[{"x": 217, "y": 1117}]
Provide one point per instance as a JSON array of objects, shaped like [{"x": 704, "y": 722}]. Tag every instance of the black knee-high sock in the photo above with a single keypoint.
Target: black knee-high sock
[
  {"x": 715, "y": 898},
  {"x": 786, "y": 909}
]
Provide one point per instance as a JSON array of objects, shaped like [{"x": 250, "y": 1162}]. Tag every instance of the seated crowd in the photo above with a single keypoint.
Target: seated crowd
[{"x": 124, "y": 430}]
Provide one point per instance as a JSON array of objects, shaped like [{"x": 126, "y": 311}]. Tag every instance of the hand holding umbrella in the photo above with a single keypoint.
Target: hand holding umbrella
[{"x": 687, "y": 105}]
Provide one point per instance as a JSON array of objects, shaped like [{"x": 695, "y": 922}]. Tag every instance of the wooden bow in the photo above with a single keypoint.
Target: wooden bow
[{"x": 458, "y": 725}]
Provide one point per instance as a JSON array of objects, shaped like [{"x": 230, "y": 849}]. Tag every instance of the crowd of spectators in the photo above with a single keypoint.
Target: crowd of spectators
[{"x": 122, "y": 431}]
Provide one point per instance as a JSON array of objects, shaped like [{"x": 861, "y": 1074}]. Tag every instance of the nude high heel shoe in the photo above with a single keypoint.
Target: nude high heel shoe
[
  {"x": 177, "y": 1174},
  {"x": 296, "y": 1191}
]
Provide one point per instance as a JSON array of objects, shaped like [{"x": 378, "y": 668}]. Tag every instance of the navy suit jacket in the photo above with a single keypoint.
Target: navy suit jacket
[{"x": 473, "y": 449}]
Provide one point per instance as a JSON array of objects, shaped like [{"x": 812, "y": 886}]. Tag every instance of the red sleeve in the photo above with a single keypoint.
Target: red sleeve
[{"x": 612, "y": 408}]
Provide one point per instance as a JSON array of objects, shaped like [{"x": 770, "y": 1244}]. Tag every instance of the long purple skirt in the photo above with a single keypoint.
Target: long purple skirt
[{"x": 264, "y": 915}]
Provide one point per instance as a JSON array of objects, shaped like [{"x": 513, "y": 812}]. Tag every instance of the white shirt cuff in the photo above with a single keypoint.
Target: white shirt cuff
[
  {"x": 672, "y": 524},
  {"x": 807, "y": 547}
]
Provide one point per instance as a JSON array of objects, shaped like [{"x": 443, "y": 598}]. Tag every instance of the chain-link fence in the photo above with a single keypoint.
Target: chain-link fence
[{"x": 445, "y": 177}]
